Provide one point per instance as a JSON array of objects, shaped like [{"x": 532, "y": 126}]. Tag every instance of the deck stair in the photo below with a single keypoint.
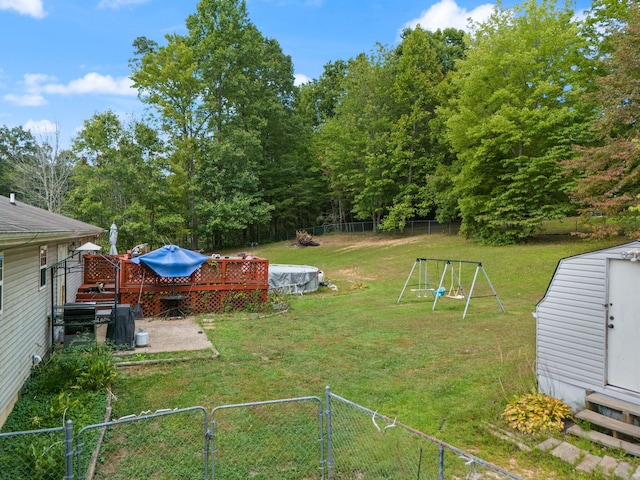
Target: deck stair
[
  {"x": 616, "y": 423},
  {"x": 85, "y": 293}
]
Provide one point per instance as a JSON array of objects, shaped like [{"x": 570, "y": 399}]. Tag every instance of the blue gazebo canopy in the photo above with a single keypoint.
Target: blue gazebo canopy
[{"x": 172, "y": 261}]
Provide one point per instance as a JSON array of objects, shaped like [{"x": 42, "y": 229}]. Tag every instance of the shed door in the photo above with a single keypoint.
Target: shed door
[{"x": 623, "y": 334}]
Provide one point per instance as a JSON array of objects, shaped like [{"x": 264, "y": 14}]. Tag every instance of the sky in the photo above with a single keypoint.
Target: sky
[{"x": 62, "y": 61}]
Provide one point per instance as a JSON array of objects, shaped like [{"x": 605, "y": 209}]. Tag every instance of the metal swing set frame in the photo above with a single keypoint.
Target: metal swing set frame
[{"x": 456, "y": 290}]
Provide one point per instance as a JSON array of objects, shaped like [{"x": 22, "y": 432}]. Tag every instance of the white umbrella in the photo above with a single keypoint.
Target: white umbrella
[
  {"x": 89, "y": 247},
  {"x": 113, "y": 238}
]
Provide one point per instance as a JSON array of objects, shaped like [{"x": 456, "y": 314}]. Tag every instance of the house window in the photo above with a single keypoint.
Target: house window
[
  {"x": 1, "y": 279},
  {"x": 43, "y": 266}
]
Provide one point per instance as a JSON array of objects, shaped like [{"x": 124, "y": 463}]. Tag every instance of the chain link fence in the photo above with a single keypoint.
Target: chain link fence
[
  {"x": 297, "y": 438},
  {"x": 37, "y": 454},
  {"x": 367, "y": 445}
]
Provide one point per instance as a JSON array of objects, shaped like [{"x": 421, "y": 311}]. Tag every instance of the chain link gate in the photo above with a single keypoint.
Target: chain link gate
[
  {"x": 165, "y": 444},
  {"x": 280, "y": 439}
]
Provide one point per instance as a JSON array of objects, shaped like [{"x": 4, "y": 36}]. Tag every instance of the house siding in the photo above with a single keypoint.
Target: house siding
[
  {"x": 571, "y": 326},
  {"x": 24, "y": 326}
]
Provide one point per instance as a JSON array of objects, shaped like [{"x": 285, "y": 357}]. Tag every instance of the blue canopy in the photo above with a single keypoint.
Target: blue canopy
[{"x": 172, "y": 261}]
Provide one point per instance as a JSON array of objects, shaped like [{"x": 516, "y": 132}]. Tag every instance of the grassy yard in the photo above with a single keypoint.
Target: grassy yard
[{"x": 432, "y": 370}]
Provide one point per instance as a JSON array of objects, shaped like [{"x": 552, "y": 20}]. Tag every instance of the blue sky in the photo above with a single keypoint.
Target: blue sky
[{"x": 62, "y": 61}]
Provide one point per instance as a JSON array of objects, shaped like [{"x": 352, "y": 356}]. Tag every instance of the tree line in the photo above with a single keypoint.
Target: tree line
[{"x": 529, "y": 116}]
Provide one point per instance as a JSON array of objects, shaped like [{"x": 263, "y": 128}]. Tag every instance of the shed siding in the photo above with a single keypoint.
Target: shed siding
[{"x": 571, "y": 325}]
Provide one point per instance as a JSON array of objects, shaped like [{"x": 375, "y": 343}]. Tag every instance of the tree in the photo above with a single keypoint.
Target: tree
[
  {"x": 609, "y": 173},
  {"x": 355, "y": 146},
  {"x": 36, "y": 168},
  {"x": 421, "y": 63},
  {"x": 120, "y": 177},
  {"x": 167, "y": 79},
  {"x": 16, "y": 145},
  {"x": 515, "y": 117},
  {"x": 225, "y": 97}
]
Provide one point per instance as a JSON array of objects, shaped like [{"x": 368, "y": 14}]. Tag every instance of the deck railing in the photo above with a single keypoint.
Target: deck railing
[{"x": 219, "y": 284}]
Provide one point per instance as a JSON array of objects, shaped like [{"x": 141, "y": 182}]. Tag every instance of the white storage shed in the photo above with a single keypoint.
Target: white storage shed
[{"x": 588, "y": 327}]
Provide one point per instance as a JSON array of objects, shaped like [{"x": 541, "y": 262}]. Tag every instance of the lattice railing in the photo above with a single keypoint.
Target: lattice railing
[{"x": 218, "y": 285}]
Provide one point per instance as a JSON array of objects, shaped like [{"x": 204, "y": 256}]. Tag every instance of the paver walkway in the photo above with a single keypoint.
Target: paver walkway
[{"x": 587, "y": 462}]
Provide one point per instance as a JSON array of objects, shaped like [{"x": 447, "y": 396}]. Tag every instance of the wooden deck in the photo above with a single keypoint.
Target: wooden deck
[{"x": 218, "y": 285}]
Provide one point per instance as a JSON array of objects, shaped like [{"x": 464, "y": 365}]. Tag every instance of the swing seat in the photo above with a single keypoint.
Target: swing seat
[{"x": 456, "y": 297}]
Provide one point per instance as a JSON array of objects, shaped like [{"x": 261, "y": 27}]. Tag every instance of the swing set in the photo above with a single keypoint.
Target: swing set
[{"x": 456, "y": 291}]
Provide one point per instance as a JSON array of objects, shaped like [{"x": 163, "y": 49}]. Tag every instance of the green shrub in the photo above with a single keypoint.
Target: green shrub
[
  {"x": 98, "y": 371},
  {"x": 536, "y": 413},
  {"x": 69, "y": 384},
  {"x": 86, "y": 369}
]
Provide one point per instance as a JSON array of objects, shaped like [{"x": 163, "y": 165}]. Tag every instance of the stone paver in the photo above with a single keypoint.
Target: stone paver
[
  {"x": 608, "y": 465},
  {"x": 623, "y": 470},
  {"x": 567, "y": 452},
  {"x": 549, "y": 443},
  {"x": 636, "y": 476},
  {"x": 588, "y": 463}
]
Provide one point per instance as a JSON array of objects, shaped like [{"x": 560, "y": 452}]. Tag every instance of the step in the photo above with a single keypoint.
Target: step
[
  {"x": 613, "y": 403},
  {"x": 604, "y": 439},
  {"x": 609, "y": 423},
  {"x": 94, "y": 297}
]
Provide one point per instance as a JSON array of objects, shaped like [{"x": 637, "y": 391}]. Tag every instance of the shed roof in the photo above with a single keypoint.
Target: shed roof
[
  {"x": 22, "y": 223},
  {"x": 600, "y": 254}
]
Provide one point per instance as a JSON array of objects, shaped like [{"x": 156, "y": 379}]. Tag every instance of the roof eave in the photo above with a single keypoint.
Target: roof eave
[{"x": 17, "y": 239}]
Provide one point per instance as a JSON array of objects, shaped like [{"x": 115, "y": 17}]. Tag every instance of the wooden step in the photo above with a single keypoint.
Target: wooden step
[
  {"x": 94, "y": 297},
  {"x": 609, "y": 423},
  {"x": 612, "y": 403},
  {"x": 604, "y": 439}
]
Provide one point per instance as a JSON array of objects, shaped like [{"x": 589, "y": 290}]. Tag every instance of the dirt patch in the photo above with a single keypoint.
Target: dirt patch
[
  {"x": 364, "y": 240},
  {"x": 353, "y": 275}
]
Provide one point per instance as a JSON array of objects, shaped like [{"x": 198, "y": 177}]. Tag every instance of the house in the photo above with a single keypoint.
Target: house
[
  {"x": 34, "y": 243},
  {"x": 588, "y": 327}
]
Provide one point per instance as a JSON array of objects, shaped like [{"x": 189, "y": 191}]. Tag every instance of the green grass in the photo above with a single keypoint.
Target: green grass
[{"x": 434, "y": 371}]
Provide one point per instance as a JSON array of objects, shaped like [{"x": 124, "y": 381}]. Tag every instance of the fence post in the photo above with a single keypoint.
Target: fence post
[
  {"x": 68, "y": 451},
  {"x": 329, "y": 433},
  {"x": 441, "y": 463}
]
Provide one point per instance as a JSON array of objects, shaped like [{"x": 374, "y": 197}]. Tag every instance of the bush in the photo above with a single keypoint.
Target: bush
[
  {"x": 69, "y": 384},
  {"x": 536, "y": 413},
  {"x": 86, "y": 369}
]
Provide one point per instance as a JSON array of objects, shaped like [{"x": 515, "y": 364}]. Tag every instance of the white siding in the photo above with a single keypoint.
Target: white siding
[
  {"x": 24, "y": 325},
  {"x": 571, "y": 325}
]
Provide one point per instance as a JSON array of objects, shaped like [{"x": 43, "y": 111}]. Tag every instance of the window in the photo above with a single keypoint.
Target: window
[
  {"x": 1, "y": 278},
  {"x": 43, "y": 266}
]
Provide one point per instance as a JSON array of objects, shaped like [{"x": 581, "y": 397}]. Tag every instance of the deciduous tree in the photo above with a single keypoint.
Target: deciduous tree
[
  {"x": 609, "y": 173},
  {"x": 515, "y": 118}
]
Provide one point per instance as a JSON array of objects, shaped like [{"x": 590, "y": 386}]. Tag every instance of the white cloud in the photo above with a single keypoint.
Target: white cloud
[
  {"x": 40, "y": 127},
  {"x": 24, "y": 7},
  {"x": 300, "y": 79},
  {"x": 119, "y": 3},
  {"x": 92, "y": 83},
  {"x": 32, "y": 97},
  {"x": 447, "y": 14},
  {"x": 36, "y": 85},
  {"x": 26, "y": 100}
]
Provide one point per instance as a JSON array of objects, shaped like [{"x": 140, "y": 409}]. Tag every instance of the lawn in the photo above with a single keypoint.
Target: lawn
[{"x": 434, "y": 371}]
